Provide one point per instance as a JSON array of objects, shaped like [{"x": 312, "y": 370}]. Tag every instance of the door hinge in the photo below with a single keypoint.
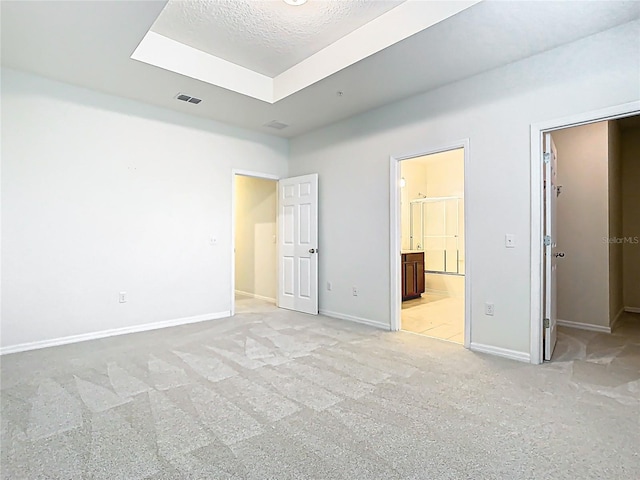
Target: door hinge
[
  {"x": 547, "y": 240},
  {"x": 546, "y": 157},
  {"x": 546, "y": 323}
]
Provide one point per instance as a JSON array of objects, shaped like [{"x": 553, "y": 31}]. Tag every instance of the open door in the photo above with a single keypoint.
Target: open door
[
  {"x": 298, "y": 243},
  {"x": 550, "y": 257}
]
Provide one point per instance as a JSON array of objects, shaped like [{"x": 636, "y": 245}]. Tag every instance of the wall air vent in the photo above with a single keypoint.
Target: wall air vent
[
  {"x": 188, "y": 98},
  {"x": 275, "y": 124}
]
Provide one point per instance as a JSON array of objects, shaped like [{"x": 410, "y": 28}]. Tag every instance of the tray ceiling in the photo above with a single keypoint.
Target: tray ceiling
[
  {"x": 91, "y": 44},
  {"x": 240, "y": 45},
  {"x": 267, "y": 37}
]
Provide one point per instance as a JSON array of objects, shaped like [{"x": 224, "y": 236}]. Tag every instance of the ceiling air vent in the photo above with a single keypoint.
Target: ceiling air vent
[
  {"x": 188, "y": 98},
  {"x": 276, "y": 124}
]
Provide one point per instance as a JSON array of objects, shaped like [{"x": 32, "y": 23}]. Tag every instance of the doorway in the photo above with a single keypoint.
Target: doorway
[
  {"x": 432, "y": 266},
  {"x": 595, "y": 225},
  {"x": 274, "y": 242},
  {"x": 255, "y": 278},
  {"x": 578, "y": 213}
]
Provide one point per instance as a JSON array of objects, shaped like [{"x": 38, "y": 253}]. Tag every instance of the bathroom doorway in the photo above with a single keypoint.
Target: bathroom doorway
[{"x": 432, "y": 243}]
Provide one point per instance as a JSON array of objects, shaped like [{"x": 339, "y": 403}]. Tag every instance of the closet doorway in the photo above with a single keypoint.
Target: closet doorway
[
  {"x": 432, "y": 244},
  {"x": 255, "y": 280}
]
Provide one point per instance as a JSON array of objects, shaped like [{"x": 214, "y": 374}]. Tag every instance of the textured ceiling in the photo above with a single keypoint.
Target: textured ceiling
[
  {"x": 266, "y": 36},
  {"x": 90, "y": 46}
]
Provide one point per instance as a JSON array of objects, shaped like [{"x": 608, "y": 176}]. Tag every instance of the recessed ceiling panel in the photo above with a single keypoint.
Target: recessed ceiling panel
[
  {"x": 91, "y": 44},
  {"x": 266, "y": 36}
]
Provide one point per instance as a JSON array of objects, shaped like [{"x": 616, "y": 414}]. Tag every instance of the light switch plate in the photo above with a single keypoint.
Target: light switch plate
[{"x": 510, "y": 240}]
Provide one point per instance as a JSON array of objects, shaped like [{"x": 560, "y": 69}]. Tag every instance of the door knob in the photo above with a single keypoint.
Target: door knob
[
  {"x": 312, "y": 250},
  {"x": 559, "y": 254}
]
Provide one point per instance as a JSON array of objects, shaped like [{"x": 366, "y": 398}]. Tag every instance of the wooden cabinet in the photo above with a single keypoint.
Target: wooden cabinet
[{"x": 412, "y": 275}]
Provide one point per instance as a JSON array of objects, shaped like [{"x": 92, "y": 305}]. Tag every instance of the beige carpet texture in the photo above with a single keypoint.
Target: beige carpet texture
[{"x": 274, "y": 394}]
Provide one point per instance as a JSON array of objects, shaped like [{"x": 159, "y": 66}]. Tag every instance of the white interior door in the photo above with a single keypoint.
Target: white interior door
[
  {"x": 550, "y": 260},
  {"x": 298, "y": 243}
]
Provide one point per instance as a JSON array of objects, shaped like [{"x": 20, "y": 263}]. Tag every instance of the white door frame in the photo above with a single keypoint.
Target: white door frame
[
  {"x": 244, "y": 173},
  {"x": 395, "y": 217},
  {"x": 537, "y": 207}
]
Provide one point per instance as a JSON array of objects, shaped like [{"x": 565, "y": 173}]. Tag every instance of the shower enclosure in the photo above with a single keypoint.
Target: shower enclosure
[{"x": 436, "y": 227}]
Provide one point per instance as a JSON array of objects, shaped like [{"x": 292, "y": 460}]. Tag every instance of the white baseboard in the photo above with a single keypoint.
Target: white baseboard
[
  {"x": 584, "y": 326},
  {"x": 616, "y": 319},
  {"x": 254, "y": 295},
  {"x": 500, "y": 352},
  {"x": 352, "y": 318},
  {"x": 632, "y": 309},
  {"x": 23, "y": 347}
]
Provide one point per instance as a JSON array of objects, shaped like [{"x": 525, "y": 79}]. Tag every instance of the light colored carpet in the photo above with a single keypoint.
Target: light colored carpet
[{"x": 272, "y": 394}]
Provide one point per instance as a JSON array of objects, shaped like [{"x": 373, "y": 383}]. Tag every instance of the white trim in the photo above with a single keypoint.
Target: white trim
[
  {"x": 255, "y": 295},
  {"x": 537, "y": 205},
  {"x": 244, "y": 173},
  {"x": 616, "y": 319},
  {"x": 177, "y": 57},
  {"x": 500, "y": 352},
  {"x": 632, "y": 309},
  {"x": 396, "y": 227},
  {"x": 352, "y": 318},
  {"x": 395, "y": 246},
  {"x": 583, "y": 326},
  {"x": 250, "y": 173},
  {"x": 23, "y": 347}
]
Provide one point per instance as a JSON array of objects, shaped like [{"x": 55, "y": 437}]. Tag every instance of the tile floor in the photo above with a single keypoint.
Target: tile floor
[{"x": 436, "y": 316}]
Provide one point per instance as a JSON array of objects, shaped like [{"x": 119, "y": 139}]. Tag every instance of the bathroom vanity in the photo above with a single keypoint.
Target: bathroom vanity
[{"x": 412, "y": 274}]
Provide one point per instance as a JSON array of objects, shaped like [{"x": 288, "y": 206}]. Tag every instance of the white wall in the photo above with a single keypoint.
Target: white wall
[
  {"x": 583, "y": 224},
  {"x": 494, "y": 110},
  {"x": 256, "y": 210},
  {"x": 101, "y": 195},
  {"x": 616, "y": 304},
  {"x": 630, "y": 151}
]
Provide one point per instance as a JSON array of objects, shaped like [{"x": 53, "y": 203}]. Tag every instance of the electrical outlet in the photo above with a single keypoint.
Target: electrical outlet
[
  {"x": 355, "y": 291},
  {"x": 122, "y": 297},
  {"x": 489, "y": 309},
  {"x": 213, "y": 240},
  {"x": 329, "y": 286}
]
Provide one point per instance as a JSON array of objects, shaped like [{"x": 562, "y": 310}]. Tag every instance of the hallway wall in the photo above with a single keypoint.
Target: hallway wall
[
  {"x": 630, "y": 149},
  {"x": 583, "y": 224},
  {"x": 255, "y": 212},
  {"x": 616, "y": 286}
]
